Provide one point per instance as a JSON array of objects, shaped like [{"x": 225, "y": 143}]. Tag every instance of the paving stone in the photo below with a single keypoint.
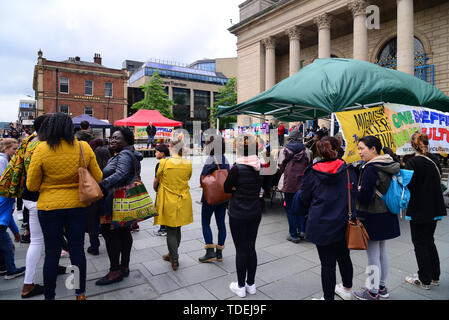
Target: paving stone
[
  {"x": 283, "y": 267},
  {"x": 159, "y": 266},
  {"x": 285, "y": 249},
  {"x": 163, "y": 283},
  {"x": 403, "y": 292},
  {"x": 196, "y": 274},
  {"x": 195, "y": 292},
  {"x": 293, "y": 287}
]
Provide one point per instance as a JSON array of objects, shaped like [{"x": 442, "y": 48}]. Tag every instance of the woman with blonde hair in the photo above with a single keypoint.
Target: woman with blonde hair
[
  {"x": 425, "y": 209},
  {"x": 174, "y": 202}
]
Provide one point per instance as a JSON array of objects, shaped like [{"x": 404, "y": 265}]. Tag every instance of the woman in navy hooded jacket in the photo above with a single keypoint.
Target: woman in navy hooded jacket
[{"x": 325, "y": 195}]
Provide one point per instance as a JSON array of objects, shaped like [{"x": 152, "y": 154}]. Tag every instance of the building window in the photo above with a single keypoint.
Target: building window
[
  {"x": 387, "y": 56},
  {"x": 108, "y": 89},
  {"x": 201, "y": 103},
  {"x": 64, "y": 109},
  {"x": 89, "y": 111},
  {"x": 181, "y": 97},
  {"x": 63, "y": 85},
  {"x": 88, "y": 87}
]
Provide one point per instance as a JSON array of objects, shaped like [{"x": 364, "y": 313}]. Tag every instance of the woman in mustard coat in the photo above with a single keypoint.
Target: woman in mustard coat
[{"x": 174, "y": 202}]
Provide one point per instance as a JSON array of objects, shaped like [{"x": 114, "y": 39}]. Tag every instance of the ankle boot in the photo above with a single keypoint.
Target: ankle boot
[
  {"x": 210, "y": 254},
  {"x": 219, "y": 253}
]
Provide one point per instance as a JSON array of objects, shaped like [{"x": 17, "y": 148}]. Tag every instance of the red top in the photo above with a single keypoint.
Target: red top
[{"x": 281, "y": 130}]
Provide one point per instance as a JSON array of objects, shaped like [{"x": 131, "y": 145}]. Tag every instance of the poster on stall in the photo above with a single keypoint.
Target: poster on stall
[
  {"x": 161, "y": 133},
  {"x": 406, "y": 120},
  {"x": 359, "y": 123}
]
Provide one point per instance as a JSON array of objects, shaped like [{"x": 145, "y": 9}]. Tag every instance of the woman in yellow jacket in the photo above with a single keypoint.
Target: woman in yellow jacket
[
  {"x": 174, "y": 202},
  {"x": 53, "y": 171}
]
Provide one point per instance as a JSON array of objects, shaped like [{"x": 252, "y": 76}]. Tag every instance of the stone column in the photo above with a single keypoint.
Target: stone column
[
  {"x": 270, "y": 62},
  {"x": 360, "y": 46},
  {"x": 406, "y": 52},
  {"x": 294, "y": 34},
  {"x": 323, "y": 23}
]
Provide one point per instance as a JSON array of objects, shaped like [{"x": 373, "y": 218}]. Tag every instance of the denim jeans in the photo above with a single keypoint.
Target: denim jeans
[
  {"x": 6, "y": 249},
  {"x": 75, "y": 223},
  {"x": 296, "y": 220},
  {"x": 150, "y": 140},
  {"x": 206, "y": 215}
]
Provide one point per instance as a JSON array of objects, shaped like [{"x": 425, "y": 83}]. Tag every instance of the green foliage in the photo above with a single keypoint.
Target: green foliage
[
  {"x": 155, "y": 98},
  {"x": 227, "y": 96}
]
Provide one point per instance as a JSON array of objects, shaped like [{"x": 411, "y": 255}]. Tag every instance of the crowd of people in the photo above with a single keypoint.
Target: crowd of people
[{"x": 317, "y": 185}]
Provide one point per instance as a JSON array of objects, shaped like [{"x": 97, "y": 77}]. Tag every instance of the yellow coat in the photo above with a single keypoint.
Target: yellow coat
[
  {"x": 174, "y": 202},
  {"x": 54, "y": 173}
]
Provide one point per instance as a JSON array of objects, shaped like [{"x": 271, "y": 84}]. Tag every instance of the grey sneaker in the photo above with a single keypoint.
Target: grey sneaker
[
  {"x": 414, "y": 280},
  {"x": 294, "y": 240},
  {"x": 364, "y": 294},
  {"x": 17, "y": 273},
  {"x": 383, "y": 293},
  {"x": 435, "y": 283}
]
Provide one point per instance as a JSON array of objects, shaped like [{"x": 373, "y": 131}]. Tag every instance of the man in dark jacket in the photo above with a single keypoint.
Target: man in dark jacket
[
  {"x": 293, "y": 163},
  {"x": 84, "y": 134},
  {"x": 151, "y": 131}
]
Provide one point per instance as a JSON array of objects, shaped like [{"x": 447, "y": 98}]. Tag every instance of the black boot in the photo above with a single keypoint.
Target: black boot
[
  {"x": 219, "y": 253},
  {"x": 210, "y": 254}
]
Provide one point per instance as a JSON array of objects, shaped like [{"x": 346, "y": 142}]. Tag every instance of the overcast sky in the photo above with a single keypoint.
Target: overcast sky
[{"x": 173, "y": 30}]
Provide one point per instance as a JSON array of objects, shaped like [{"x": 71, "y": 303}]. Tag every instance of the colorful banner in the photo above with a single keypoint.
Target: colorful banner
[
  {"x": 406, "y": 120},
  {"x": 161, "y": 133},
  {"x": 366, "y": 122}
]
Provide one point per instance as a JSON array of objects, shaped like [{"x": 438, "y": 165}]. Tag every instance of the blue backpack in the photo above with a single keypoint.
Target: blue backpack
[{"x": 398, "y": 196}]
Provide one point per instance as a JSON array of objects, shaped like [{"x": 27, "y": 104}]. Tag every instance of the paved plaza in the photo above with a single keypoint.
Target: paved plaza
[{"x": 286, "y": 271}]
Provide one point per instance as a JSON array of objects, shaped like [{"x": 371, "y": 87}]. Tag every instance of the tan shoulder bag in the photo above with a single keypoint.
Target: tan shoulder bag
[{"x": 89, "y": 190}]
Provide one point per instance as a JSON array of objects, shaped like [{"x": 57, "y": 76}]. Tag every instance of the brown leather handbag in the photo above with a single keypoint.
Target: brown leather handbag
[
  {"x": 213, "y": 186},
  {"x": 356, "y": 235},
  {"x": 89, "y": 190}
]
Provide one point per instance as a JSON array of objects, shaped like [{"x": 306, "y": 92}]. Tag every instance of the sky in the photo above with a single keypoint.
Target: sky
[{"x": 170, "y": 30}]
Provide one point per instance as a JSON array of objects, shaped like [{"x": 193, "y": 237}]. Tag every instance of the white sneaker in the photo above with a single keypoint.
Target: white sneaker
[
  {"x": 241, "y": 292},
  {"x": 250, "y": 289},
  {"x": 19, "y": 215},
  {"x": 342, "y": 292},
  {"x": 322, "y": 298}
]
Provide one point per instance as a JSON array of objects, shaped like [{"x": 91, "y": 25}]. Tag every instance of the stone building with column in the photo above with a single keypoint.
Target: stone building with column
[
  {"x": 193, "y": 87},
  {"x": 77, "y": 87},
  {"x": 275, "y": 39}
]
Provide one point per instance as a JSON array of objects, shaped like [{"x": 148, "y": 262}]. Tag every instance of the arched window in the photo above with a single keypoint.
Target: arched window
[{"x": 387, "y": 57}]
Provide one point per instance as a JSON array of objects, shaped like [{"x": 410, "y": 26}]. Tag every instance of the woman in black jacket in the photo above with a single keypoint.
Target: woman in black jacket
[
  {"x": 244, "y": 182},
  {"x": 121, "y": 170},
  {"x": 325, "y": 195},
  {"x": 425, "y": 208}
]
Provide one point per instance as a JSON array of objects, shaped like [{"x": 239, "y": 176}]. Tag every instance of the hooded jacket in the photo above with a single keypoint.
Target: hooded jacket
[
  {"x": 324, "y": 193},
  {"x": 244, "y": 177},
  {"x": 375, "y": 175},
  {"x": 121, "y": 170},
  {"x": 293, "y": 166}
]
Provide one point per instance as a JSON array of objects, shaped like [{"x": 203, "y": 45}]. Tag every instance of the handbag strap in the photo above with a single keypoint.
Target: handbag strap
[
  {"x": 349, "y": 194},
  {"x": 82, "y": 154},
  {"x": 421, "y": 155}
]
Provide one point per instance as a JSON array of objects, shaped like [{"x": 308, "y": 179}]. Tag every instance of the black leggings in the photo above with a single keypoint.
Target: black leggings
[
  {"x": 118, "y": 243},
  {"x": 244, "y": 234}
]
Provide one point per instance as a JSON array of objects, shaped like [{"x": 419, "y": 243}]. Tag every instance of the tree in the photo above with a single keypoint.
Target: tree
[
  {"x": 227, "y": 96},
  {"x": 155, "y": 98}
]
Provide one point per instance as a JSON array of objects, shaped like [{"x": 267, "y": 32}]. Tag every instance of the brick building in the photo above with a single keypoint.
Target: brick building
[{"x": 79, "y": 87}]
